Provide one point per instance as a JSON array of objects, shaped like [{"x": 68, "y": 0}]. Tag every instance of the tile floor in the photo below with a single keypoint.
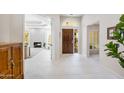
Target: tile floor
[{"x": 67, "y": 67}]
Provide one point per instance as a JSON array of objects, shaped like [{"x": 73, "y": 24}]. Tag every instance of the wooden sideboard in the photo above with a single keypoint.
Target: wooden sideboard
[{"x": 11, "y": 61}]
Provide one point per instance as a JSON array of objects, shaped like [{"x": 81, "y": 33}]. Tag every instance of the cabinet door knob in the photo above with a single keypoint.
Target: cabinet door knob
[{"x": 12, "y": 63}]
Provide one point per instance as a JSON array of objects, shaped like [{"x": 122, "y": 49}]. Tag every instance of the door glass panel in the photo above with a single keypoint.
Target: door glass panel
[
  {"x": 76, "y": 41},
  {"x": 95, "y": 40}
]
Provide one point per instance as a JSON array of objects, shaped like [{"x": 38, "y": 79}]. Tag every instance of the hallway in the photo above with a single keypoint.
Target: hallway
[{"x": 68, "y": 67}]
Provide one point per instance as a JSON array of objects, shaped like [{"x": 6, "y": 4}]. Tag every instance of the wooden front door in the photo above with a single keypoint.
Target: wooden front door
[{"x": 67, "y": 41}]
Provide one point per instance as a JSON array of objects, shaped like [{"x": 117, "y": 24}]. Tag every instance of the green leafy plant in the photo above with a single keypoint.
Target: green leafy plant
[{"x": 112, "y": 48}]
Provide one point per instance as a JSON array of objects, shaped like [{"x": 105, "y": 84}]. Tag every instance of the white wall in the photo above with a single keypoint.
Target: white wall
[
  {"x": 65, "y": 19},
  {"x": 11, "y": 28},
  {"x": 4, "y": 27},
  {"x": 16, "y": 27},
  {"x": 55, "y": 29},
  {"x": 104, "y": 21},
  {"x": 36, "y": 35},
  {"x": 39, "y": 35},
  {"x": 108, "y": 21}
]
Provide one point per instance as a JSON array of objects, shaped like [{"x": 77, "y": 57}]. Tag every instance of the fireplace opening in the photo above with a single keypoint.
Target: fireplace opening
[{"x": 37, "y": 45}]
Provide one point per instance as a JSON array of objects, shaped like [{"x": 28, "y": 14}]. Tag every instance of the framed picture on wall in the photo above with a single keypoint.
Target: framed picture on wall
[{"x": 110, "y": 31}]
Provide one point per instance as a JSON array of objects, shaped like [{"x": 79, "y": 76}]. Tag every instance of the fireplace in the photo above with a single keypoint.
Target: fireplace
[{"x": 37, "y": 44}]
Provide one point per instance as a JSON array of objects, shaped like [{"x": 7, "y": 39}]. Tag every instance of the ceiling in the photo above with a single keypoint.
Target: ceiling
[
  {"x": 41, "y": 21},
  {"x": 36, "y": 20},
  {"x": 72, "y": 15}
]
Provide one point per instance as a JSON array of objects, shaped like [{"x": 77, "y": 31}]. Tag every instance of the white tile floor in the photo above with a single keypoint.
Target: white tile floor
[{"x": 67, "y": 67}]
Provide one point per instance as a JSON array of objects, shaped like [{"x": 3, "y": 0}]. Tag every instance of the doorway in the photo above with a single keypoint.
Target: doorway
[
  {"x": 93, "y": 39},
  {"x": 69, "y": 41},
  {"x": 37, "y": 36}
]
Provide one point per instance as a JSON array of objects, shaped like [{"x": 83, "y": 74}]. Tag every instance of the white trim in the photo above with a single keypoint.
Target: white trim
[
  {"x": 88, "y": 39},
  {"x": 70, "y": 27},
  {"x": 78, "y": 28}
]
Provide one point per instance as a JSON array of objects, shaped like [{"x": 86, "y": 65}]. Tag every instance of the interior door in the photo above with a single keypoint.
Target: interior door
[{"x": 67, "y": 40}]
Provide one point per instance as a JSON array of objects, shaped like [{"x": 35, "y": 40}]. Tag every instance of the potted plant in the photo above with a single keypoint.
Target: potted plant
[{"x": 113, "y": 48}]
